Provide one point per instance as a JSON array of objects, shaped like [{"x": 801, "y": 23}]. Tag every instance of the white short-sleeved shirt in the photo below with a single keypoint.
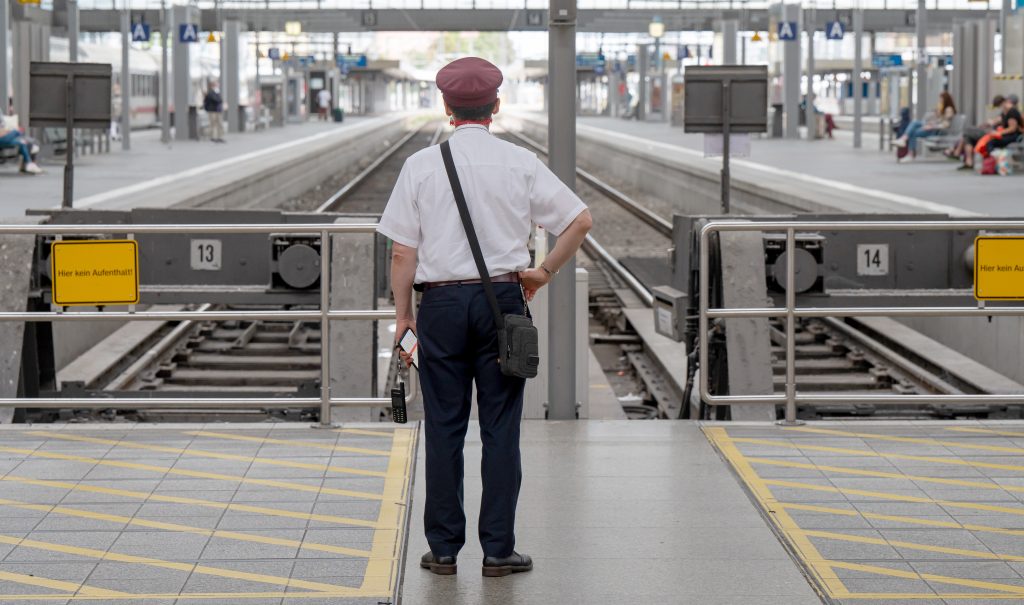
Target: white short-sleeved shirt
[{"x": 507, "y": 189}]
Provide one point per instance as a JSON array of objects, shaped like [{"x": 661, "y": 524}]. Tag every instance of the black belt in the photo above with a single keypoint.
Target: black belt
[{"x": 505, "y": 278}]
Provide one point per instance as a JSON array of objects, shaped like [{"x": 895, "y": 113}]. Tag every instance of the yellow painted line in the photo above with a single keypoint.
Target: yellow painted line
[
  {"x": 299, "y": 443},
  {"x": 382, "y": 568},
  {"x": 247, "y": 508},
  {"x": 20, "y": 578},
  {"x": 207, "y": 454},
  {"x": 869, "y": 453},
  {"x": 895, "y": 497},
  {"x": 367, "y": 432},
  {"x": 901, "y": 519},
  {"x": 913, "y": 575},
  {"x": 224, "y": 596},
  {"x": 882, "y": 474},
  {"x": 964, "y": 552},
  {"x": 187, "y": 567},
  {"x": 966, "y": 429},
  {"x": 819, "y": 566},
  {"x": 920, "y": 440},
  {"x": 300, "y": 487},
  {"x": 176, "y": 527},
  {"x": 930, "y": 596}
]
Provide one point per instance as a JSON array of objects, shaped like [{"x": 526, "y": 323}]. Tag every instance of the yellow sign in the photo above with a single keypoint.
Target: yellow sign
[
  {"x": 999, "y": 268},
  {"x": 29, "y": 2},
  {"x": 94, "y": 272}
]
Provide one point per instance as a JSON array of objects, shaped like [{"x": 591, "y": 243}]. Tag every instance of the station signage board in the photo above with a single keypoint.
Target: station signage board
[
  {"x": 788, "y": 31},
  {"x": 999, "y": 267},
  {"x": 349, "y": 61},
  {"x": 140, "y": 32},
  {"x": 835, "y": 30},
  {"x": 886, "y": 60},
  {"x": 94, "y": 272},
  {"x": 188, "y": 33}
]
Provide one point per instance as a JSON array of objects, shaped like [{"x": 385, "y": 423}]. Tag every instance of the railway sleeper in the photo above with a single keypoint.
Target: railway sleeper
[
  {"x": 818, "y": 365},
  {"x": 250, "y": 362},
  {"x": 229, "y": 378},
  {"x": 834, "y": 382}
]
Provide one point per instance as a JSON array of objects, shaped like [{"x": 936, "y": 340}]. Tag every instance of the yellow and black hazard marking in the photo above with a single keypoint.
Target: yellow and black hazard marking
[
  {"x": 915, "y": 512},
  {"x": 222, "y": 515}
]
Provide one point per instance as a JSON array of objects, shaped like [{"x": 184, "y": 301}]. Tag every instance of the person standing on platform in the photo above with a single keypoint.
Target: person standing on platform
[
  {"x": 213, "y": 103},
  {"x": 507, "y": 190},
  {"x": 323, "y": 103}
]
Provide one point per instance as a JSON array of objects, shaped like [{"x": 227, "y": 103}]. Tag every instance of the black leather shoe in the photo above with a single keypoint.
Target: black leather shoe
[
  {"x": 495, "y": 567},
  {"x": 442, "y": 566}
]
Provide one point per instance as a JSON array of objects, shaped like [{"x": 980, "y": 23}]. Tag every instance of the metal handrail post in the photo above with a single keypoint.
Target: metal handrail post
[
  {"x": 325, "y": 329},
  {"x": 790, "y": 419},
  {"x": 702, "y": 326}
]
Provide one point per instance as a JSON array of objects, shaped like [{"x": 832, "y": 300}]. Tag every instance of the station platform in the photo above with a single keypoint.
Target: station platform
[
  {"x": 612, "y": 512},
  {"x": 154, "y": 174},
  {"x": 831, "y": 170}
]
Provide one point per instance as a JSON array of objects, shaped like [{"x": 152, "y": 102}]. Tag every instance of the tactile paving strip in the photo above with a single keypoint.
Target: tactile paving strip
[
  {"x": 914, "y": 512},
  {"x": 156, "y": 515}
]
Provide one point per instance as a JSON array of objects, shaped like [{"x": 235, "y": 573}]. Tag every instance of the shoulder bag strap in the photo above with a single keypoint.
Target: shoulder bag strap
[{"x": 467, "y": 224}]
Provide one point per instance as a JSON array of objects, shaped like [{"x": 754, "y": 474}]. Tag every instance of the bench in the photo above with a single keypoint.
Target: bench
[{"x": 934, "y": 144}]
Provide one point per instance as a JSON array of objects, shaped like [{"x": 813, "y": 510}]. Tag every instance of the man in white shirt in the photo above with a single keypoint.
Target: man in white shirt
[
  {"x": 507, "y": 190},
  {"x": 323, "y": 101}
]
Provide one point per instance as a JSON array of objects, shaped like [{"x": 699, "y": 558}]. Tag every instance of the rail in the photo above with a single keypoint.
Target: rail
[
  {"x": 325, "y": 314},
  {"x": 791, "y": 312}
]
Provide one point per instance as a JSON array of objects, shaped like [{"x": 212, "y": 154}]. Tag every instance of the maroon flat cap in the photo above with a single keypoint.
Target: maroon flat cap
[{"x": 469, "y": 82}]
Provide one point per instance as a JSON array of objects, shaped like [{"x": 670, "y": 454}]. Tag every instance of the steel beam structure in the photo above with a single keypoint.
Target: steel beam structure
[
  {"x": 923, "y": 100},
  {"x": 730, "y": 35},
  {"x": 5, "y": 74},
  {"x": 858, "y": 83},
  {"x": 791, "y": 73},
  {"x": 593, "y": 20},
  {"x": 126, "y": 82},
  {"x": 811, "y": 118},
  {"x": 230, "y": 77}
]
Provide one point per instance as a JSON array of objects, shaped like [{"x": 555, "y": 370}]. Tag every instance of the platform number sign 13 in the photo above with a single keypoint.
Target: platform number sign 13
[
  {"x": 205, "y": 254},
  {"x": 872, "y": 259}
]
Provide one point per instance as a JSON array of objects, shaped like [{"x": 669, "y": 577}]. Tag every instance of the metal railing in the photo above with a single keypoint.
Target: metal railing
[
  {"x": 791, "y": 312},
  {"x": 325, "y": 314}
]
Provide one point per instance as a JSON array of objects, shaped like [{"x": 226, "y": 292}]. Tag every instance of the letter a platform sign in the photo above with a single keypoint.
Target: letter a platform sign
[
  {"x": 835, "y": 30},
  {"x": 140, "y": 32},
  {"x": 188, "y": 32},
  {"x": 94, "y": 272},
  {"x": 787, "y": 31},
  {"x": 999, "y": 268}
]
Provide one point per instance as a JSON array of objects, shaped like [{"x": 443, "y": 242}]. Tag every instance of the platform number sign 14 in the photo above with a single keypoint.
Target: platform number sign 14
[
  {"x": 873, "y": 259},
  {"x": 205, "y": 255}
]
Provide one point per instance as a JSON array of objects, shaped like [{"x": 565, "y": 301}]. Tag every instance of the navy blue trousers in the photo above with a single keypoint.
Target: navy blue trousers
[{"x": 458, "y": 346}]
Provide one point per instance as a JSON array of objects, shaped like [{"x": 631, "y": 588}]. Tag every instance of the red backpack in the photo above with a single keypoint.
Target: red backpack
[{"x": 988, "y": 165}]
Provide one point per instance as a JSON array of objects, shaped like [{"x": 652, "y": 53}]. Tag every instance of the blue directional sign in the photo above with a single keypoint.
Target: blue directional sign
[
  {"x": 188, "y": 32},
  {"x": 274, "y": 53},
  {"x": 835, "y": 30},
  {"x": 140, "y": 32},
  {"x": 350, "y": 61},
  {"x": 788, "y": 31},
  {"x": 887, "y": 60}
]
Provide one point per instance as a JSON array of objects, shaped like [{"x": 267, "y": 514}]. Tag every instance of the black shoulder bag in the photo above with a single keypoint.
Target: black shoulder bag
[{"x": 518, "y": 353}]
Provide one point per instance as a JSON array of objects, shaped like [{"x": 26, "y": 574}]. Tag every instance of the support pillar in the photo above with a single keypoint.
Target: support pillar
[
  {"x": 126, "y": 82},
  {"x": 182, "y": 86},
  {"x": 561, "y": 361},
  {"x": 30, "y": 41},
  {"x": 643, "y": 68},
  {"x": 231, "y": 76},
  {"x": 791, "y": 71},
  {"x": 811, "y": 118},
  {"x": 165, "y": 100},
  {"x": 5, "y": 24},
  {"x": 729, "y": 29},
  {"x": 921, "y": 107},
  {"x": 985, "y": 67},
  {"x": 858, "y": 68},
  {"x": 71, "y": 6}
]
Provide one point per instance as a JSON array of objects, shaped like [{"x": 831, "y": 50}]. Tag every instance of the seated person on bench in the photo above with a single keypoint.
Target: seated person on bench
[
  {"x": 12, "y": 137},
  {"x": 937, "y": 123},
  {"x": 1007, "y": 133},
  {"x": 973, "y": 133}
]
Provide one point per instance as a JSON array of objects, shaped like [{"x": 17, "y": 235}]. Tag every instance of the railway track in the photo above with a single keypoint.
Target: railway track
[
  {"x": 256, "y": 358},
  {"x": 832, "y": 355}
]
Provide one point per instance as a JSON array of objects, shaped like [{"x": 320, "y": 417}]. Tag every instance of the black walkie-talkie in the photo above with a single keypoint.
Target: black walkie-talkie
[{"x": 398, "y": 404}]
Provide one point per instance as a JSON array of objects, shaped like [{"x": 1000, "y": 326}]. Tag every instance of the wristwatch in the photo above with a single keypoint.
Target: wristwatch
[{"x": 548, "y": 271}]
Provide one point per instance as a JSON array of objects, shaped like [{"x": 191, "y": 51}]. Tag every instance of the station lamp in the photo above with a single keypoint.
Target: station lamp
[
  {"x": 293, "y": 28},
  {"x": 656, "y": 28},
  {"x": 756, "y": 37}
]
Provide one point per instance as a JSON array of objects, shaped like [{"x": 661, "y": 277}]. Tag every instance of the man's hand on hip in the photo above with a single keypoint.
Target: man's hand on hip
[{"x": 533, "y": 280}]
